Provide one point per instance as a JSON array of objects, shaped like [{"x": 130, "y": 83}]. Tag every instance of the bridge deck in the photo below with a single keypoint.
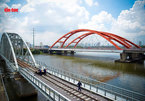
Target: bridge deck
[
  {"x": 86, "y": 50},
  {"x": 67, "y": 89}
]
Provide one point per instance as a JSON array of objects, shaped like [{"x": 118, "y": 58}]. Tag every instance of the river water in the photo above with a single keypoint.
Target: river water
[{"x": 101, "y": 66}]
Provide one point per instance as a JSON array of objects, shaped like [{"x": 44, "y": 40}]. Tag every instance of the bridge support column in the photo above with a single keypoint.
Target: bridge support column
[
  {"x": 59, "y": 52},
  {"x": 72, "y": 52},
  {"x": 131, "y": 57},
  {"x": 65, "y": 52},
  {"x": 23, "y": 87},
  {"x": 52, "y": 52},
  {"x": 15, "y": 82}
]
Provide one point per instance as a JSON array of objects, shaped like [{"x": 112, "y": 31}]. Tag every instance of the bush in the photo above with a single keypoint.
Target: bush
[{"x": 36, "y": 51}]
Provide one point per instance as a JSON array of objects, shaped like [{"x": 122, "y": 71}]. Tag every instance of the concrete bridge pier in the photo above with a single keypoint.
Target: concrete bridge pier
[
  {"x": 15, "y": 82},
  {"x": 23, "y": 87},
  {"x": 50, "y": 52},
  {"x": 44, "y": 50},
  {"x": 60, "y": 52},
  {"x": 72, "y": 52},
  {"x": 65, "y": 52},
  {"x": 128, "y": 57}
]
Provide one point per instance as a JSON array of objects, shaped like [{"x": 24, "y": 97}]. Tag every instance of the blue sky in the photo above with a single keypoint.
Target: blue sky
[
  {"x": 53, "y": 18},
  {"x": 113, "y": 7}
]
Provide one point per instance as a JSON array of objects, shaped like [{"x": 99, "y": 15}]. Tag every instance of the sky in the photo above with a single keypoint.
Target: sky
[{"x": 53, "y": 18}]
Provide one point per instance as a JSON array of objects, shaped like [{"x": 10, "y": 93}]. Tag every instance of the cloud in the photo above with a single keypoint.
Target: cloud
[
  {"x": 16, "y": 6},
  {"x": 46, "y": 16},
  {"x": 64, "y": 13},
  {"x": 3, "y": 16},
  {"x": 47, "y": 38},
  {"x": 96, "y": 3},
  {"x": 89, "y": 2},
  {"x": 101, "y": 22},
  {"x": 129, "y": 24}
]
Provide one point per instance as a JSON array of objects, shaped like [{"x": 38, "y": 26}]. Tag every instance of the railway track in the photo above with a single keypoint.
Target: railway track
[{"x": 71, "y": 90}]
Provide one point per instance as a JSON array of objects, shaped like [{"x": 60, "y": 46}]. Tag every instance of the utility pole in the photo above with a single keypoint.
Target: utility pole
[{"x": 33, "y": 39}]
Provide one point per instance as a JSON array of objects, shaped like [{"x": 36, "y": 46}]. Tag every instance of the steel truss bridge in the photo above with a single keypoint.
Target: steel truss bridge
[{"x": 58, "y": 85}]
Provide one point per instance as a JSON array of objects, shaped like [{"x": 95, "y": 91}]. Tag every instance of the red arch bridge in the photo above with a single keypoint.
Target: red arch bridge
[{"x": 130, "y": 52}]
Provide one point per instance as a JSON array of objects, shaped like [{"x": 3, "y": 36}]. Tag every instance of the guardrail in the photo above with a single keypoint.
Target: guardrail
[
  {"x": 103, "y": 89},
  {"x": 45, "y": 89}
]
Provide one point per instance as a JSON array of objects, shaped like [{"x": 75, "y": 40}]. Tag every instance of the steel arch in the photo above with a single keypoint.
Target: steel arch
[
  {"x": 108, "y": 36},
  {"x": 3, "y": 51},
  {"x": 12, "y": 47},
  {"x": 87, "y": 34}
]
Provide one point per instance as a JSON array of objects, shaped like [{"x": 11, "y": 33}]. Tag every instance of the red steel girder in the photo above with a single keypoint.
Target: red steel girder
[
  {"x": 108, "y": 36},
  {"x": 98, "y": 33}
]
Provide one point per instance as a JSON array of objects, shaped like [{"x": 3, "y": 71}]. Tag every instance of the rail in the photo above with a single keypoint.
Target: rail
[
  {"x": 103, "y": 89},
  {"x": 44, "y": 88}
]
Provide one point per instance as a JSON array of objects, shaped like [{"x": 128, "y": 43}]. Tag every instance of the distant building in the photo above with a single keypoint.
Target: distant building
[
  {"x": 46, "y": 46},
  {"x": 41, "y": 44},
  {"x": 37, "y": 47},
  {"x": 140, "y": 43},
  {"x": 41, "y": 47}
]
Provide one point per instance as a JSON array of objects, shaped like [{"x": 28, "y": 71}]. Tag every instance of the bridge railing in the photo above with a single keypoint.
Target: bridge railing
[
  {"x": 43, "y": 87},
  {"x": 104, "y": 89}
]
